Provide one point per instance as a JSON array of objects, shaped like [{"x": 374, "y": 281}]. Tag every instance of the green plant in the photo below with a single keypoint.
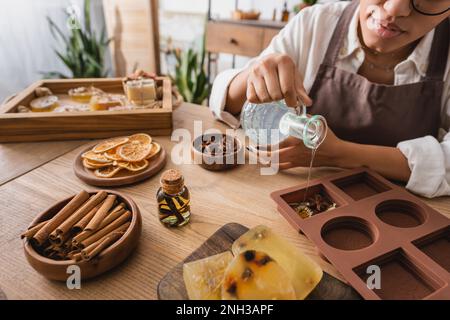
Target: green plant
[
  {"x": 84, "y": 51},
  {"x": 190, "y": 77}
]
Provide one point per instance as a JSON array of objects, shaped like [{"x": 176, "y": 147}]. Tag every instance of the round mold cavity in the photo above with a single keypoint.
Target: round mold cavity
[
  {"x": 400, "y": 213},
  {"x": 349, "y": 233}
]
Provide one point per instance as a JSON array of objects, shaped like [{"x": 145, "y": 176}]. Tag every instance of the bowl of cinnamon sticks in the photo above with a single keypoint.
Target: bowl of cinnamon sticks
[{"x": 94, "y": 230}]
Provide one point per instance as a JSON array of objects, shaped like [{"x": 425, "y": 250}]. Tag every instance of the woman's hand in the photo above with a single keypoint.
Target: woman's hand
[
  {"x": 335, "y": 152},
  {"x": 275, "y": 77},
  {"x": 293, "y": 153}
]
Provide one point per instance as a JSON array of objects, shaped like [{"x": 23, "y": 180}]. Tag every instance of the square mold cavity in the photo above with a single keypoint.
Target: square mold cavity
[
  {"x": 360, "y": 185},
  {"x": 437, "y": 247},
  {"x": 401, "y": 278},
  {"x": 298, "y": 195}
]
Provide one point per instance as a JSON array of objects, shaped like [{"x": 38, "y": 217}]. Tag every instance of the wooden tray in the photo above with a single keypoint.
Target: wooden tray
[
  {"x": 45, "y": 126},
  {"x": 123, "y": 177},
  {"x": 376, "y": 223},
  {"x": 171, "y": 287}
]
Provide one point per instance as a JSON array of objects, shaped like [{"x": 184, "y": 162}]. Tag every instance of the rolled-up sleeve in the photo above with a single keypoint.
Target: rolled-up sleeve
[
  {"x": 428, "y": 157},
  {"x": 429, "y": 161},
  {"x": 219, "y": 96}
]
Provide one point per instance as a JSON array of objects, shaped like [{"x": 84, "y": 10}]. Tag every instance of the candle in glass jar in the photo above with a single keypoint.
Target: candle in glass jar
[{"x": 141, "y": 91}]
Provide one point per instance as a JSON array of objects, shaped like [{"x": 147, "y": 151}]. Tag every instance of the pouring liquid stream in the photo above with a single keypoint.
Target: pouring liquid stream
[
  {"x": 314, "y": 142},
  {"x": 259, "y": 121},
  {"x": 313, "y": 153}
]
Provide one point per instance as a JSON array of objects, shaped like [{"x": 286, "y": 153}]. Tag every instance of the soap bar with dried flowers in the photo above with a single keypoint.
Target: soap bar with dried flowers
[
  {"x": 304, "y": 273},
  {"x": 203, "y": 278}
]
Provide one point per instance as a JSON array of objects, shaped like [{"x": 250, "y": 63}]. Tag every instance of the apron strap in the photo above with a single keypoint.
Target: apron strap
[
  {"x": 340, "y": 32},
  {"x": 439, "y": 52}
]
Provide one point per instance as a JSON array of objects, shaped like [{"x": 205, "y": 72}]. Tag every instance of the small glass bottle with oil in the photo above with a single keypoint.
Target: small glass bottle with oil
[{"x": 173, "y": 199}]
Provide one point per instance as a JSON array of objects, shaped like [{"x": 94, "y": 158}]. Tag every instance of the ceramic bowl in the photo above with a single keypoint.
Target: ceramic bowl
[{"x": 215, "y": 162}]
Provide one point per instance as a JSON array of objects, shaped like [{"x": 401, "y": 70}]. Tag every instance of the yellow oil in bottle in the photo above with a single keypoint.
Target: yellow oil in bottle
[{"x": 173, "y": 200}]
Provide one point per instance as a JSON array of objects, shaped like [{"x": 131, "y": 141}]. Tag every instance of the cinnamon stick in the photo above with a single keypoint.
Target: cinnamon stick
[
  {"x": 111, "y": 217},
  {"x": 80, "y": 237},
  {"x": 33, "y": 230},
  {"x": 49, "y": 249},
  {"x": 118, "y": 207},
  {"x": 62, "y": 239},
  {"x": 78, "y": 215},
  {"x": 114, "y": 215},
  {"x": 97, "y": 247},
  {"x": 80, "y": 225},
  {"x": 42, "y": 235},
  {"x": 110, "y": 227},
  {"x": 75, "y": 256},
  {"x": 100, "y": 215}
]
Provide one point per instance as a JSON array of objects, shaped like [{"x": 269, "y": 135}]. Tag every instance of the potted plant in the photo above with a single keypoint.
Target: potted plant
[
  {"x": 84, "y": 51},
  {"x": 189, "y": 76}
]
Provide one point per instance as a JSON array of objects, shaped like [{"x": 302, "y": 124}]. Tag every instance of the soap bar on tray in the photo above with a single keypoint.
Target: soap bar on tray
[{"x": 304, "y": 273}]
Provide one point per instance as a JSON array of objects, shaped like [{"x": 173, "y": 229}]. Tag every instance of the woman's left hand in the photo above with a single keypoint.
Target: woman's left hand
[
  {"x": 293, "y": 153},
  {"x": 335, "y": 152}
]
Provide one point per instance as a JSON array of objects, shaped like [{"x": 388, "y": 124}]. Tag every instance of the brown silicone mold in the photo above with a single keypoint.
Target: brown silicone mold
[{"x": 376, "y": 223}]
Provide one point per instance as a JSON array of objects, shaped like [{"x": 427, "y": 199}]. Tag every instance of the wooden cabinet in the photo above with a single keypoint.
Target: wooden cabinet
[
  {"x": 233, "y": 38},
  {"x": 269, "y": 33},
  {"x": 239, "y": 38}
]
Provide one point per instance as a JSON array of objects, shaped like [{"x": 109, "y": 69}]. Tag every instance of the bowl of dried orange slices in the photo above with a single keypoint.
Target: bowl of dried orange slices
[{"x": 120, "y": 161}]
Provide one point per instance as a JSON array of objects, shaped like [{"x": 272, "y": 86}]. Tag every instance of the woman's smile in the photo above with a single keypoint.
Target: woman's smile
[
  {"x": 380, "y": 25},
  {"x": 383, "y": 28},
  {"x": 389, "y": 25}
]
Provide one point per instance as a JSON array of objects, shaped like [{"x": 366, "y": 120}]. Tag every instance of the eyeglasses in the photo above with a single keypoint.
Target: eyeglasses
[{"x": 431, "y": 7}]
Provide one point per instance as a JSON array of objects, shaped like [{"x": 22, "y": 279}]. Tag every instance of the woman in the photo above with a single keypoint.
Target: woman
[{"x": 377, "y": 70}]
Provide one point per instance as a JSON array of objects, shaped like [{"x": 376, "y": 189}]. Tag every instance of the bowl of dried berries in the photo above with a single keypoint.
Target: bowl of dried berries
[{"x": 217, "y": 151}]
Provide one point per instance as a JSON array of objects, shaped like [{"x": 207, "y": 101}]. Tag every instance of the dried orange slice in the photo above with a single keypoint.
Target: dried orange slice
[
  {"x": 133, "y": 166},
  {"x": 156, "y": 148},
  {"x": 109, "y": 144},
  {"x": 134, "y": 151},
  {"x": 94, "y": 165},
  {"x": 142, "y": 138},
  {"x": 112, "y": 155},
  {"x": 107, "y": 172},
  {"x": 96, "y": 157}
]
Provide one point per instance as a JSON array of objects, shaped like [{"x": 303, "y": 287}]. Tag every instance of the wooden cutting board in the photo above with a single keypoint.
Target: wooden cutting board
[{"x": 171, "y": 287}]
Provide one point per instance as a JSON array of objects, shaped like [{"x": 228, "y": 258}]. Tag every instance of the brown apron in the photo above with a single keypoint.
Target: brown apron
[{"x": 361, "y": 111}]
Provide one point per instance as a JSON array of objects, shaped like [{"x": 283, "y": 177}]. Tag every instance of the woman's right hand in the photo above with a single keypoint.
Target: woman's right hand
[{"x": 275, "y": 77}]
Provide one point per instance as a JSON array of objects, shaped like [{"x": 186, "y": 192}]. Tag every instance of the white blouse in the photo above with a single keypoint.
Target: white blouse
[{"x": 305, "y": 39}]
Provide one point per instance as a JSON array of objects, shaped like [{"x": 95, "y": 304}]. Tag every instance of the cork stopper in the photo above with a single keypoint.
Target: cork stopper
[{"x": 172, "y": 181}]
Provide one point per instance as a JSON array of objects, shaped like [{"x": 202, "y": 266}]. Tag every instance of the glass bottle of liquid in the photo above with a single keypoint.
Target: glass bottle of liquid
[
  {"x": 173, "y": 199},
  {"x": 270, "y": 123},
  {"x": 285, "y": 13}
]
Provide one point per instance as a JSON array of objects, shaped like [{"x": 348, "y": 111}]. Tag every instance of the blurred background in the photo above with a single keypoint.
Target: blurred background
[{"x": 190, "y": 40}]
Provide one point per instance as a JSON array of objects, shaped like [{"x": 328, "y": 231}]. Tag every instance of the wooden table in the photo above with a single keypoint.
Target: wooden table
[{"x": 34, "y": 176}]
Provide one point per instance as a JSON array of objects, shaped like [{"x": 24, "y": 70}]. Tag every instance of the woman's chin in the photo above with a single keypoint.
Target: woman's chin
[{"x": 382, "y": 44}]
